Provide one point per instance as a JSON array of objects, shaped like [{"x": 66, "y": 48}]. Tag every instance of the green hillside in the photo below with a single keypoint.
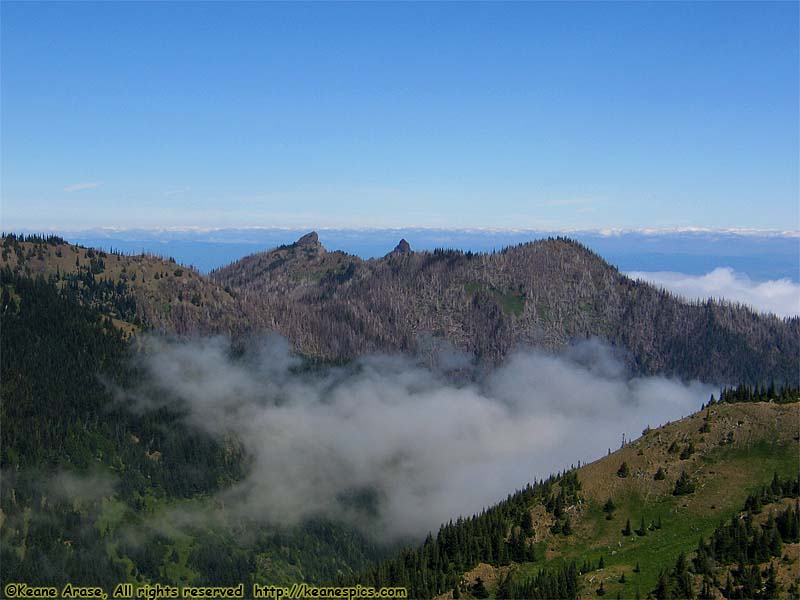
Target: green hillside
[{"x": 624, "y": 521}]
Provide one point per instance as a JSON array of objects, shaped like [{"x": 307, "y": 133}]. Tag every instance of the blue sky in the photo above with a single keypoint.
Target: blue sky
[{"x": 395, "y": 115}]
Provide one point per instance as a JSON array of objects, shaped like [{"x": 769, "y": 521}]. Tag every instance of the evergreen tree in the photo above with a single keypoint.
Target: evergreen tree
[
  {"x": 771, "y": 586},
  {"x": 684, "y": 485},
  {"x": 479, "y": 589},
  {"x": 566, "y": 528},
  {"x": 662, "y": 587},
  {"x": 527, "y": 523},
  {"x": 728, "y": 590},
  {"x": 642, "y": 531},
  {"x": 504, "y": 588},
  {"x": 706, "y": 592},
  {"x": 627, "y": 531},
  {"x": 609, "y": 507},
  {"x": 688, "y": 451}
]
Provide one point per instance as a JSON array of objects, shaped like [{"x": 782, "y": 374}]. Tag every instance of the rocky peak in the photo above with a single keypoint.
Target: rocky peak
[
  {"x": 403, "y": 247},
  {"x": 309, "y": 239}
]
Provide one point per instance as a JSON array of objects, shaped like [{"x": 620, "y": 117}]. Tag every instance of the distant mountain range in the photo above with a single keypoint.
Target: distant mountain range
[{"x": 335, "y": 306}]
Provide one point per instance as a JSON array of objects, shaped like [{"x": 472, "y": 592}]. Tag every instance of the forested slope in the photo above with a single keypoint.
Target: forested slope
[
  {"x": 704, "y": 507},
  {"x": 95, "y": 492},
  {"x": 544, "y": 294}
]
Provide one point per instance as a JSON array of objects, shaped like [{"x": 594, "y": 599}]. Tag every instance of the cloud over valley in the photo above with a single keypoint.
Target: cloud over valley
[{"x": 391, "y": 445}]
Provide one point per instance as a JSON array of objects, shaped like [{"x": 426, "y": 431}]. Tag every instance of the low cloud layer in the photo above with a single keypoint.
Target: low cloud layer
[
  {"x": 397, "y": 447},
  {"x": 778, "y": 296}
]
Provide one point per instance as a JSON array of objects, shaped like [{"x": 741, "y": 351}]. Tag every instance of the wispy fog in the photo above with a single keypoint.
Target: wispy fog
[
  {"x": 778, "y": 296},
  {"x": 82, "y": 487},
  {"x": 394, "y": 446}
]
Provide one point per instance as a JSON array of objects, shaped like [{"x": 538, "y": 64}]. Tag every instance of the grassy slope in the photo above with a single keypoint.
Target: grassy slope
[
  {"x": 764, "y": 441},
  {"x": 160, "y": 285}
]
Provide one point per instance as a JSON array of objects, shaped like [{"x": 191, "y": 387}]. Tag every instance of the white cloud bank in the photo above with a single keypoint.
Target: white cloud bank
[
  {"x": 423, "y": 448},
  {"x": 778, "y": 296}
]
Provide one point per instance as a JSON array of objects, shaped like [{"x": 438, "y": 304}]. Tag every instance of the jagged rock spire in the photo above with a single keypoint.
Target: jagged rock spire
[
  {"x": 309, "y": 239},
  {"x": 403, "y": 247}
]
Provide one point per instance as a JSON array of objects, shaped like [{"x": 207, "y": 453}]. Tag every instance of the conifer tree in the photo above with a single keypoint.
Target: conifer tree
[
  {"x": 684, "y": 485},
  {"x": 479, "y": 589},
  {"x": 772, "y": 588},
  {"x": 609, "y": 507},
  {"x": 662, "y": 587},
  {"x": 642, "y": 531},
  {"x": 705, "y": 592},
  {"x": 504, "y": 588},
  {"x": 566, "y": 528},
  {"x": 688, "y": 451},
  {"x": 527, "y": 523},
  {"x": 627, "y": 531}
]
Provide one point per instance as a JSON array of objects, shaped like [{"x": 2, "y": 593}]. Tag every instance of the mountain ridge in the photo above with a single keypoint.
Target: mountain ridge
[
  {"x": 544, "y": 294},
  {"x": 335, "y": 306}
]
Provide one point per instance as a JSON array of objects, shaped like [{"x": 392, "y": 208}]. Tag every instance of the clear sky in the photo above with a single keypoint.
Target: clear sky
[{"x": 549, "y": 115}]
